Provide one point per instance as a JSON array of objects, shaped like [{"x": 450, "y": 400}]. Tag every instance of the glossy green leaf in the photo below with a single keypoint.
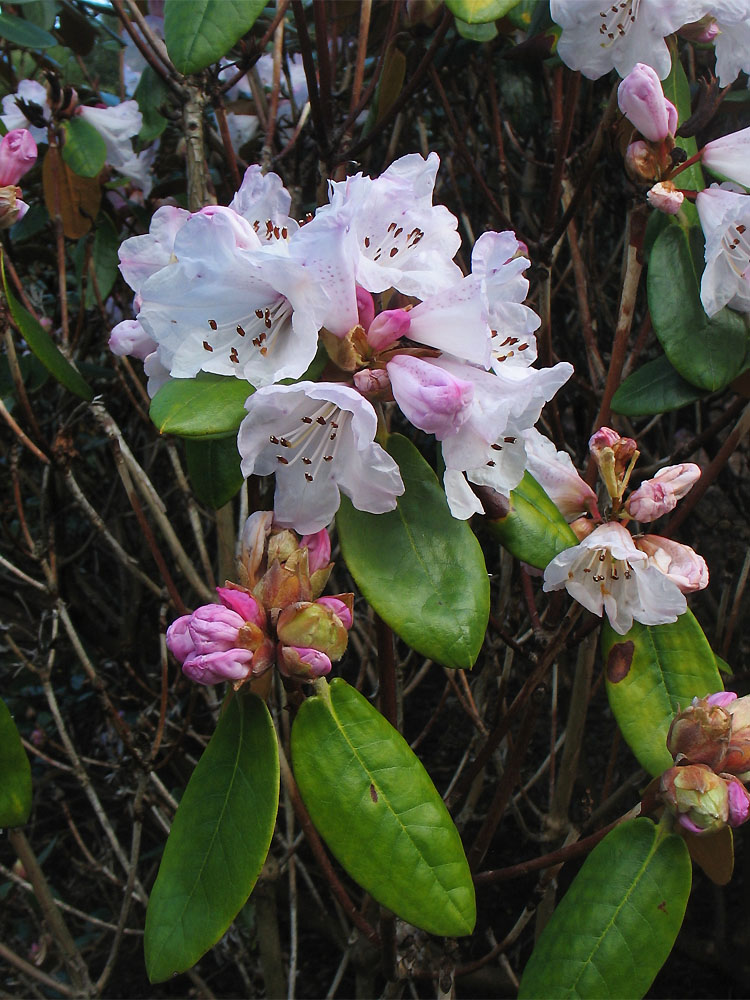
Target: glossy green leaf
[
  {"x": 377, "y": 809},
  {"x": 214, "y": 469},
  {"x": 199, "y": 32},
  {"x": 44, "y": 347},
  {"x": 151, "y": 94},
  {"x": 218, "y": 842},
  {"x": 42, "y": 13},
  {"x": 24, "y": 33},
  {"x": 655, "y": 388},
  {"x": 709, "y": 353},
  {"x": 651, "y": 673},
  {"x": 677, "y": 89},
  {"x": 104, "y": 261},
  {"x": 533, "y": 529},
  {"x": 618, "y": 921},
  {"x": 84, "y": 151},
  {"x": 206, "y": 406},
  {"x": 480, "y": 11},
  {"x": 15, "y": 787},
  {"x": 421, "y": 569}
]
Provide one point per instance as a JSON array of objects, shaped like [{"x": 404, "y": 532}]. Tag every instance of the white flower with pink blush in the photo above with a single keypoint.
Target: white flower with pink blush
[
  {"x": 725, "y": 217},
  {"x": 607, "y": 573},
  {"x": 731, "y": 39},
  {"x": 729, "y": 156},
  {"x": 679, "y": 562},
  {"x": 318, "y": 438}
]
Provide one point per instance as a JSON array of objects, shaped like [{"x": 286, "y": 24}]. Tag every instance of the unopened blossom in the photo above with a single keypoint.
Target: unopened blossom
[
  {"x": 432, "y": 399},
  {"x": 729, "y": 156},
  {"x": 641, "y": 162},
  {"x": 17, "y": 156},
  {"x": 599, "y": 36},
  {"x": 658, "y": 496},
  {"x": 641, "y": 99},
  {"x": 318, "y": 438},
  {"x": 558, "y": 477},
  {"x": 12, "y": 209},
  {"x": 228, "y": 306},
  {"x": 607, "y": 573},
  {"x": 388, "y": 327},
  {"x": 615, "y": 457},
  {"x": 697, "y": 796},
  {"x": 681, "y": 564},
  {"x": 700, "y": 733},
  {"x": 129, "y": 338},
  {"x": 725, "y": 217},
  {"x": 34, "y": 96},
  {"x": 302, "y": 662},
  {"x": 665, "y": 197}
]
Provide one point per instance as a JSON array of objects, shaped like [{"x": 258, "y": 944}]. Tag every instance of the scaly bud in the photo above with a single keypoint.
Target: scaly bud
[
  {"x": 698, "y": 797},
  {"x": 700, "y": 734},
  {"x": 313, "y": 625},
  {"x": 304, "y": 664}
]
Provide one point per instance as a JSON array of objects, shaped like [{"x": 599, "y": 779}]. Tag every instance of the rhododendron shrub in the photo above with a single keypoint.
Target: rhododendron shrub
[{"x": 374, "y": 382}]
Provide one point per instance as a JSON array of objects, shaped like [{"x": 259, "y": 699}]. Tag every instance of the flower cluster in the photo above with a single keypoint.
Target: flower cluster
[
  {"x": 641, "y": 577},
  {"x": 246, "y": 291},
  {"x": 274, "y": 616},
  {"x": 710, "y": 744}
]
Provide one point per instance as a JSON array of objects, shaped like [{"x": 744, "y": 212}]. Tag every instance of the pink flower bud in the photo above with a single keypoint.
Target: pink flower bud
[
  {"x": 387, "y": 328},
  {"x": 318, "y": 549},
  {"x": 365, "y": 308},
  {"x": 642, "y": 101},
  {"x": 339, "y": 608},
  {"x": 179, "y": 642},
  {"x": 737, "y": 760},
  {"x": 605, "y": 437},
  {"x": 681, "y": 564},
  {"x": 430, "y": 397},
  {"x": 313, "y": 625},
  {"x": 306, "y": 664},
  {"x": 659, "y": 495},
  {"x": 129, "y": 338},
  {"x": 665, "y": 197},
  {"x": 641, "y": 162},
  {"x": 704, "y": 31},
  {"x": 244, "y": 604},
  {"x": 214, "y": 628},
  {"x": 739, "y": 801},
  {"x": 374, "y": 384},
  {"x": 698, "y": 797},
  {"x": 17, "y": 155},
  {"x": 213, "y": 668}
]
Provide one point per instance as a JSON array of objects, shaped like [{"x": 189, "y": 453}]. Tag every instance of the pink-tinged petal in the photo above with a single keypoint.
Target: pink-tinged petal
[
  {"x": 642, "y": 101},
  {"x": 455, "y": 321},
  {"x": 678, "y": 562},
  {"x": 432, "y": 399},
  {"x": 721, "y": 698},
  {"x": 142, "y": 256},
  {"x": 729, "y": 156},
  {"x": 17, "y": 156},
  {"x": 318, "y": 547},
  {"x": 388, "y": 327},
  {"x": 213, "y": 668},
  {"x": 243, "y": 604},
  {"x": 214, "y": 628},
  {"x": 264, "y": 202},
  {"x": 339, "y": 609},
  {"x": 660, "y": 495},
  {"x": 558, "y": 477},
  {"x": 29, "y": 92},
  {"x": 179, "y": 640},
  {"x": 739, "y": 802},
  {"x": 365, "y": 308},
  {"x": 302, "y": 662},
  {"x": 130, "y": 339},
  {"x": 665, "y": 198}
]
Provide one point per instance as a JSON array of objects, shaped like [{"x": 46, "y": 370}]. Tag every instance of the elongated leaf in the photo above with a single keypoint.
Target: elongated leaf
[
  {"x": 677, "y": 89},
  {"x": 706, "y": 352},
  {"x": 44, "y": 347},
  {"x": 616, "y": 925},
  {"x": 151, "y": 93},
  {"x": 84, "y": 150},
  {"x": 420, "y": 569},
  {"x": 200, "y": 32},
  {"x": 214, "y": 469},
  {"x": 379, "y": 812},
  {"x": 655, "y": 388},
  {"x": 219, "y": 840},
  {"x": 533, "y": 529},
  {"x": 652, "y": 672},
  {"x": 24, "y": 33},
  {"x": 207, "y": 406},
  {"x": 480, "y": 11},
  {"x": 103, "y": 261},
  {"x": 15, "y": 786}
]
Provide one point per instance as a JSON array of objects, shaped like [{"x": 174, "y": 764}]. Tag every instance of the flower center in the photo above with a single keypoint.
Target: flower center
[
  {"x": 617, "y": 20},
  {"x": 736, "y": 246},
  {"x": 394, "y": 241},
  {"x": 602, "y": 565},
  {"x": 312, "y": 441},
  {"x": 508, "y": 348},
  {"x": 254, "y": 335}
]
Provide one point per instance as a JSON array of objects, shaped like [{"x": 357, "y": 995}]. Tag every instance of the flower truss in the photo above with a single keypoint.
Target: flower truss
[
  {"x": 641, "y": 578},
  {"x": 245, "y": 291}
]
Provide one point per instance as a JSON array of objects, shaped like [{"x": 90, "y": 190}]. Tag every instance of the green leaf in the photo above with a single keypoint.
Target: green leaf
[
  {"x": 42, "y": 13},
  {"x": 533, "y": 530},
  {"x": 219, "y": 840},
  {"x": 655, "y": 388},
  {"x": 617, "y": 923},
  {"x": 421, "y": 569},
  {"x": 84, "y": 151},
  {"x": 104, "y": 260},
  {"x": 151, "y": 94},
  {"x": 677, "y": 89},
  {"x": 476, "y": 32},
  {"x": 206, "y": 406},
  {"x": 15, "y": 787},
  {"x": 709, "y": 353},
  {"x": 480, "y": 11},
  {"x": 44, "y": 347},
  {"x": 199, "y": 32},
  {"x": 214, "y": 469},
  {"x": 652, "y": 672},
  {"x": 24, "y": 33},
  {"x": 377, "y": 809}
]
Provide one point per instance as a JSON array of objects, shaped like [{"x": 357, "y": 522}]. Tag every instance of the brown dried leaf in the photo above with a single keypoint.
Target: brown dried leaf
[{"x": 78, "y": 197}]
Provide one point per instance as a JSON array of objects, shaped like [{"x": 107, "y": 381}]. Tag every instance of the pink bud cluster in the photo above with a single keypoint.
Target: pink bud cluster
[
  {"x": 275, "y": 616},
  {"x": 647, "y": 159},
  {"x": 710, "y": 744}
]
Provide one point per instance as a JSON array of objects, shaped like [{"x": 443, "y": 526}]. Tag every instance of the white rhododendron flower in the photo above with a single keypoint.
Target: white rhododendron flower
[
  {"x": 725, "y": 218},
  {"x": 732, "y": 41},
  {"x": 117, "y": 125},
  {"x": 729, "y": 156},
  {"x": 607, "y": 573},
  {"x": 29, "y": 92},
  {"x": 599, "y": 35},
  {"x": 318, "y": 438}
]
